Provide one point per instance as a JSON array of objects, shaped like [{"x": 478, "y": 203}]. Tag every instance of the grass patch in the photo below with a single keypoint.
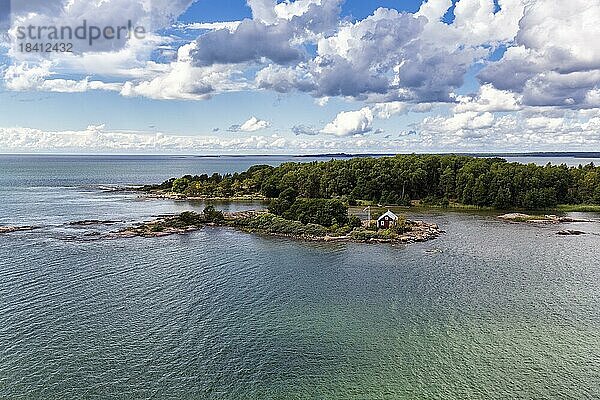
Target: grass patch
[
  {"x": 578, "y": 208},
  {"x": 269, "y": 223}
]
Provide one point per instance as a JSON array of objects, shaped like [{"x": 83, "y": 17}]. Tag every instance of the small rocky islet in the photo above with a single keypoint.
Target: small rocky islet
[
  {"x": 546, "y": 220},
  {"x": 263, "y": 222},
  {"x": 540, "y": 219}
]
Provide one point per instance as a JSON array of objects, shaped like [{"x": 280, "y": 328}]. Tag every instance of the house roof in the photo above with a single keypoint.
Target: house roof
[{"x": 388, "y": 214}]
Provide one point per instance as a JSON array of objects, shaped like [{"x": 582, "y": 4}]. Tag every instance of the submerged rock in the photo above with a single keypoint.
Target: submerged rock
[
  {"x": 570, "y": 232},
  {"x": 545, "y": 219},
  {"x": 11, "y": 229},
  {"x": 89, "y": 222}
]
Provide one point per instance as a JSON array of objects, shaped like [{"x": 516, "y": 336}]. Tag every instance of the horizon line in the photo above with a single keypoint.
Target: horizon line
[{"x": 575, "y": 154}]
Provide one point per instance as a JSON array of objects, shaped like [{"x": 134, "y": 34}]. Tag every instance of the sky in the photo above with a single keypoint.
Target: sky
[{"x": 302, "y": 77}]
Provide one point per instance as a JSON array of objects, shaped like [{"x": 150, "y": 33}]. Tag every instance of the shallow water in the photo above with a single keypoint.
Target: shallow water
[{"x": 490, "y": 310}]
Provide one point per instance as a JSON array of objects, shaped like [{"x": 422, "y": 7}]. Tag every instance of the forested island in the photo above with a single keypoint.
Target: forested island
[{"x": 437, "y": 180}]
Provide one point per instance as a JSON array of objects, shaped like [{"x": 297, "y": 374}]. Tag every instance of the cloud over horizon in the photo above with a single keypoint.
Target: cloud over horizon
[{"x": 493, "y": 74}]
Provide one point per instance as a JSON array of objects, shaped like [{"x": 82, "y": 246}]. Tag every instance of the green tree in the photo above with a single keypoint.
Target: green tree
[{"x": 318, "y": 211}]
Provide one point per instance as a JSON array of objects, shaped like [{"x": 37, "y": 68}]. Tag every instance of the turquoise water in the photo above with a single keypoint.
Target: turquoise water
[{"x": 489, "y": 311}]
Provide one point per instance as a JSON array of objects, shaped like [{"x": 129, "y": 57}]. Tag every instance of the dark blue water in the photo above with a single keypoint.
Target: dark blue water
[{"x": 491, "y": 310}]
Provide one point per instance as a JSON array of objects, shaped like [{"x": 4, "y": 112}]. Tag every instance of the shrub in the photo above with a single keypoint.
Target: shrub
[
  {"x": 181, "y": 184},
  {"x": 190, "y": 218},
  {"x": 354, "y": 221},
  {"x": 401, "y": 225},
  {"x": 212, "y": 215},
  {"x": 279, "y": 206}
]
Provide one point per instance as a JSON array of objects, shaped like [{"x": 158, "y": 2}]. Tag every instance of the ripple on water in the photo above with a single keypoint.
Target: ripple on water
[{"x": 488, "y": 311}]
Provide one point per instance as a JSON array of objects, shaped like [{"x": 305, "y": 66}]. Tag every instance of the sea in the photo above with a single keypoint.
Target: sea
[{"x": 490, "y": 310}]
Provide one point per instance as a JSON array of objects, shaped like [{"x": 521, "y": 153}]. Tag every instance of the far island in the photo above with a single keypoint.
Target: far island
[{"x": 402, "y": 180}]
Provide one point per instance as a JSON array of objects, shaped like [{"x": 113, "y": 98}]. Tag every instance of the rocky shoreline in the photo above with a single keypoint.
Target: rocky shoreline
[
  {"x": 157, "y": 194},
  {"x": 422, "y": 232},
  {"x": 92, "y": 222}
]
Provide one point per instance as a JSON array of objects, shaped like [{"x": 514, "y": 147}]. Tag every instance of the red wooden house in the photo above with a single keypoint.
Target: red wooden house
[{"x": 387, "y": 220}]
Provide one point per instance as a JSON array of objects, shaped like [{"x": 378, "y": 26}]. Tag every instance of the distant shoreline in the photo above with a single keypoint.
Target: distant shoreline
[{"x": 570, "y": 154}]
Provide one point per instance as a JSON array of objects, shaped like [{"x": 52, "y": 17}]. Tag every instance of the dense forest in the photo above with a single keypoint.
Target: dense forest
[{"x": 433, "y": 179}]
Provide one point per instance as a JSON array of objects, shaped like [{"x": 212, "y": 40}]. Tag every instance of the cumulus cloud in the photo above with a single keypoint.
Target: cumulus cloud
[
  {"x": 392, "y": 56},
  {"x": 182, "y": 80},
  {"x": 251, "y": 41},
  {"x": 252, "y": 125},
  {"x": 395, "y": 63},
  {"x": 387, "y": 110},
  {"x": 359, "y": 122},
  {"x": 351, "y": 123},
  {"x": 542, "y": 129},
  {"x": 555, "y": 59},
  {"x": 387, "y": 57},
  {"x": 489, "y": 99},
  {"x": 546, "y": 129},
  {"x": 276, "y": 33},
  {"x": 151, "y": 16},
  {"x": 26, "y": 76}
]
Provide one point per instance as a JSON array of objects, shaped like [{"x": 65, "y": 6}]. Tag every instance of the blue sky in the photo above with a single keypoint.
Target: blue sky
[
  {"x": 233, "y": 10},
  {"x": 311, "y": 76}
]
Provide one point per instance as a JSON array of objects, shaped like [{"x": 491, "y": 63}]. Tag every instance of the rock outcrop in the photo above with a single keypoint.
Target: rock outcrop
[
  {"x": 11, "y": 229},
  {"x": 541, "y": 219}
]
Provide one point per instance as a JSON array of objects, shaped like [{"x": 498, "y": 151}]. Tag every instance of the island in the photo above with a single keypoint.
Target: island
[{"x": 342, "y": 228}]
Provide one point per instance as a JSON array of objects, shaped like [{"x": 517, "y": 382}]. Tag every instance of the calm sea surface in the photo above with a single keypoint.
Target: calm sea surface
[{"x": 490, "y": 310}]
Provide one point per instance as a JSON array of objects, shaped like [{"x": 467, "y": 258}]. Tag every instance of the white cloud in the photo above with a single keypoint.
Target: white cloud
[
  {"x": 470, "y": 131},
  {"x": 183, "y": 81},
  {"x": 386, "y": 57},
  {"x": 434, "y": 10},
  {"x": 351, "y": 123},
  {"x": 99, "y": 139},
  {"x": 210, "y": 26},
  {"x": 543, "y": 123},
  {"x": 555, "y": 59},
  {"x": 254, "y": 124},
  {"x": 392, "y": 56},
  {"x": 96, "y": 138},
  {"x": 387, "y": 110},
  {"x": 489, "y": 99},
  {"x": 396, "y": 63},
  {"x": 528, "y": 129},
  {"x": 25, "y": 76},
  {"x": 469, "y": 120}
]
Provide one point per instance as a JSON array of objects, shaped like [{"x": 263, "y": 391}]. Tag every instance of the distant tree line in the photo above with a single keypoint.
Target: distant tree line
[{"x": 439, "y": 179}]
